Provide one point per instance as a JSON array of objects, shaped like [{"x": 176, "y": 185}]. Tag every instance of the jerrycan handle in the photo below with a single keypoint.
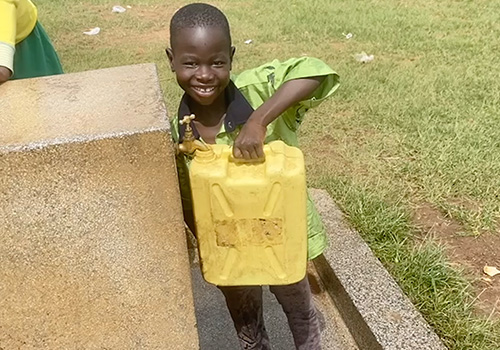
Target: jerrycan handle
[{"x": 234, "y": 160}]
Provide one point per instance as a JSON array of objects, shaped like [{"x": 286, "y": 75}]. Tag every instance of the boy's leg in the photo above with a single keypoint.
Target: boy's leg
[
  {"x": 297, "y": 303},
  {"x": 245, "y": 307}
]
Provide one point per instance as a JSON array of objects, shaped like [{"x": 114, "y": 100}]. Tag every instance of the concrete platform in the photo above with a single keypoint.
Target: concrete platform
[{"x": 92, "y": 247}]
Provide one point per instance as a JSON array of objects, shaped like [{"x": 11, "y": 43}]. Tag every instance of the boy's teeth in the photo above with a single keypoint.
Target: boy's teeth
[{"x": 205, "y": 90}]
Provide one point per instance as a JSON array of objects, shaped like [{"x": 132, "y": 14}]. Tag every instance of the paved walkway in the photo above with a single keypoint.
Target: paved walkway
[{"x": 216, "y": 329}]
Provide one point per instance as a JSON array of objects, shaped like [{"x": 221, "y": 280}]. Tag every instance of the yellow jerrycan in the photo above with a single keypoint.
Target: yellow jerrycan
[{"x": 250, "y": 217}]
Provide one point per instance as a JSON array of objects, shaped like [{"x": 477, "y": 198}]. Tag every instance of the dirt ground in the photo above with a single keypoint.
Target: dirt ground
[{"x": 471, "y": 253}]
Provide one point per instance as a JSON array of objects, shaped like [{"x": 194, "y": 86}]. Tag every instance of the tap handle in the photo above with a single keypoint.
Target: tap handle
[{"x": 187, "y": 121}]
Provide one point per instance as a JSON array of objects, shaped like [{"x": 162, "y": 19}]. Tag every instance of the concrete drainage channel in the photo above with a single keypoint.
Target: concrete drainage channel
[{"x": 360, "y": 305}]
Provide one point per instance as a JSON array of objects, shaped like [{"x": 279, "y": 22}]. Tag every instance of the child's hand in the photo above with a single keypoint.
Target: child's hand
[
  {"x": 5, "y": 74},
  {"x": 248, "y": 144}
]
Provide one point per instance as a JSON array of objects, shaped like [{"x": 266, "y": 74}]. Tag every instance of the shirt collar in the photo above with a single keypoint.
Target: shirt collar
[{"x": 237, "y": 113}]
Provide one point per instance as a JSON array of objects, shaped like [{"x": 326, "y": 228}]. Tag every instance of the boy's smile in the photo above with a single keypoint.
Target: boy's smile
[{"x": 201, "y": 59}]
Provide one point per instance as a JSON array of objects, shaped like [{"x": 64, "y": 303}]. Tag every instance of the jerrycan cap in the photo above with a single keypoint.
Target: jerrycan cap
[{"x": 204, "y": 156}]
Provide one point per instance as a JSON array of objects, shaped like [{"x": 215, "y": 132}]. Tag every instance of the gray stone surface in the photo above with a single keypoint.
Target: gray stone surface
[
  {"x": 373, "y": 306},
  {"x": 217, "y": 331},
  {"x": 92, "y": 246}
]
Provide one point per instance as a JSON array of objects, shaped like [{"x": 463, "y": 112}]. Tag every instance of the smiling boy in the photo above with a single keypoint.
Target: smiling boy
[{"x": 257, "y": 106}]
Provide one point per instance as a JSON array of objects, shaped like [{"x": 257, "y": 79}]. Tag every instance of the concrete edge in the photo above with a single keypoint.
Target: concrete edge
[
  {"x": 36, "y": 145},
  {"x": 375, "y": 309},
  {"x": 162, "y": 123}
]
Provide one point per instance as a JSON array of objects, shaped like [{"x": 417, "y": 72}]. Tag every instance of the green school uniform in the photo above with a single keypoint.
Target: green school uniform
[
  {"x": 35, "y": 56},
  {"x": 248, "y": 91}
]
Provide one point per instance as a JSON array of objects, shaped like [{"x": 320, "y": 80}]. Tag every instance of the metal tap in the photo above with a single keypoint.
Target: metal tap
[{"x": 189, "y": 144}]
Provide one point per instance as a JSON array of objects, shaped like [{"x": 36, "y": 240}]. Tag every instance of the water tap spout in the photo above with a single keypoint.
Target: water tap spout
[{"x": 189, "y": 145}]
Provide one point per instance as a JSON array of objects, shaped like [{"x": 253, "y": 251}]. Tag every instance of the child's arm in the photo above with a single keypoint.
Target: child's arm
[
  {"x": 248, "y": 144},
  {"x": 5, "y": 74},
  {"x": 7, "y": 37}
]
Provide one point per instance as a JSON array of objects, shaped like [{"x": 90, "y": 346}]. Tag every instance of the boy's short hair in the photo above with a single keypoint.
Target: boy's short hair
[{"x": 198, "y": 15}]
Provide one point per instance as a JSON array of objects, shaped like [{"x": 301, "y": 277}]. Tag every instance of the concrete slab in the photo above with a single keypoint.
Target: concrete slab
[
  {"x": 92, "y": 245},
  {"x": 376, "y": 311}
]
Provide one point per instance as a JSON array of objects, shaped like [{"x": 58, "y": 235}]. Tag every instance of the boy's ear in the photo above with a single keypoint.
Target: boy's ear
[
  {"x": 170, "y": 56},
  {"x": 233, "y": 50}
]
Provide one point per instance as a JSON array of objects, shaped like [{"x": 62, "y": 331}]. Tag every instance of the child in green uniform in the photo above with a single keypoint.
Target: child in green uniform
[
  {"x": 25, "y": 48},
  {"x": 255, "y": 107}
]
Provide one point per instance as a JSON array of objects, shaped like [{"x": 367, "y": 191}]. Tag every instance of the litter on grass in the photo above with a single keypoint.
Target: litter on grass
[
  {"x": 93, "y": 31},
  {"x": 118, "y": 9},
  {"x": 348, "y": 35},
  {"x": 491, "y": 270},
  {"x": 249, "y": 41},
  {"x": 363, "y": 57}
]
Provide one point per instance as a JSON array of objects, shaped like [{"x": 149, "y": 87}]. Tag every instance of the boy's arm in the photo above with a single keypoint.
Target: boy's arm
[{"x": 248, "y": 144}]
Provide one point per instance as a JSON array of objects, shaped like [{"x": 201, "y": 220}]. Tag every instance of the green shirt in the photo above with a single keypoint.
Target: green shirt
[{"x": 255, "y": 86}]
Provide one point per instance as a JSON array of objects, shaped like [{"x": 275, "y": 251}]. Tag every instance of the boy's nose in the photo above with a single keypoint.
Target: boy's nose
[{"x": 204, "y": 73}]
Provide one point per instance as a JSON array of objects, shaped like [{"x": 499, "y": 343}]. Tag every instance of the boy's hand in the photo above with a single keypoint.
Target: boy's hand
[
  {"x": 249, "y": 142},
  {"x": 5, "y": 74}
]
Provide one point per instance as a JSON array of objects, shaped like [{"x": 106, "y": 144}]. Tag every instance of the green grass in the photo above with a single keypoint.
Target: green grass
[
  {"x": 437, "y": 289},
  {"x": 419, "y": 124}
]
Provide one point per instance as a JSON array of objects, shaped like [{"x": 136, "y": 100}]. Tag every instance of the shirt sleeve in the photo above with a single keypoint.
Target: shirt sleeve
[
  {"x": 307, "y": 67},
  {"x": 261, "y": 83},
  {"x": 7, "y": 32}
]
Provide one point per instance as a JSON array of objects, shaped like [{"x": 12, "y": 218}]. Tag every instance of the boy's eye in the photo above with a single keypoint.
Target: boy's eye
[
  {"x": 190, "y": 64},
  {"x": 219, "y": 63}
]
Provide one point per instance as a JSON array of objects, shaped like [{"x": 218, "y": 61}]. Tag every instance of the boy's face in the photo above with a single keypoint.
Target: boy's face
[{"x": 201, "y": 58}]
